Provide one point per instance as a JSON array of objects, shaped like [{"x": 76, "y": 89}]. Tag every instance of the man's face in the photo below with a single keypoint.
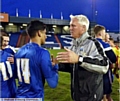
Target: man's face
[
  {"x": 76, "y": 29},
  {"x": 43, "y": 36},
  {"x": 6, "y": 40}
]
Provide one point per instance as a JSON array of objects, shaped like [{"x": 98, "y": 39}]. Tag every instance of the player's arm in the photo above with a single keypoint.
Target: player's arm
[
  {"x": 50, "y": 72},
  {"x": 110, "y": 53},
  {"x": 65, "y": 67}
]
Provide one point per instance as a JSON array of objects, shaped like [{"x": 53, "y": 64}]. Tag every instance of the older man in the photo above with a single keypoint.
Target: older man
[{"x": 86, "y": 62}]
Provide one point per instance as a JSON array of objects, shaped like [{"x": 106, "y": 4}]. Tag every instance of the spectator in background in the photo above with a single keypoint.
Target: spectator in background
[
  {"x": 85, "y": 60},
  {"x": 116, "y": 50},
  {"x": 7, "y": 81},
  {"x": 118, "y": 39},
  {"x": 107, "y": 38},
  {"x": 34, "y": 64},
  {"x": 6, "y": 47},
  {"x": 6, "y": 40},
  {"x": 100, "y": 35}
]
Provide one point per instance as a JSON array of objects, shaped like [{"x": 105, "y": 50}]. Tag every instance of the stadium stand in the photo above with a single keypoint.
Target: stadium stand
[
  {"x": 53, "y": 40},
  {"x": 115, "y": 36},
  {"x": 18, "y": 39},
  {"x": 14, "y": 38},
  {"x": 65, "y": 40},
  {"x": 23, "y": 39}
]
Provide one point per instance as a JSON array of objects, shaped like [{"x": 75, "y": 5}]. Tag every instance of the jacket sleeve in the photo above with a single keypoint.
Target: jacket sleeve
[
  {"x": 65, "y": 67},
  {"x": 50, "y": 73},
  {"x": 95, "y": 60}
]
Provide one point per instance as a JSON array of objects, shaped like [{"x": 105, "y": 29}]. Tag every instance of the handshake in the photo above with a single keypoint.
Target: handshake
[{"x": 65, "y": 57}]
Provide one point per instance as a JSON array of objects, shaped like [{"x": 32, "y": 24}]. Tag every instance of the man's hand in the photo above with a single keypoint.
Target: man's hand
[
  {"x": 67, "y": 57},
  {"x": 11, "y": 59}
]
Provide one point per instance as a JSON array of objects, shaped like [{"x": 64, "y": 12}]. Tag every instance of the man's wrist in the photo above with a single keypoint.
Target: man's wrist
[{"x": 80, "y": 59}]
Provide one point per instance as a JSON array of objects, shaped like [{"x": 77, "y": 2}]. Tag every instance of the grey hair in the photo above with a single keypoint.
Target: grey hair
[{"x": 83, "y": 20}]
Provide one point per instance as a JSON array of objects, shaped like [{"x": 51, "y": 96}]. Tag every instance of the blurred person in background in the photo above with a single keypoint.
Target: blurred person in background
[
  {"x": 7, "y": 79},
  {"x": 101, "y": 36},
  {"x": 116, "y": 66},
  {"x": 107, "y": 38},
  {"x": 6, "y": 40},
  {"x": 6, "y": 47}
]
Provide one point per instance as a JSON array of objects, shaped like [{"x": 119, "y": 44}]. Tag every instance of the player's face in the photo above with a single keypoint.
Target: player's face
[
  {"x": 103, "y": 34},
  {"x": 76, "y": 29},
  {"x": 43, "y": 36},
  {"x": 107, "y": 38},
  {"x": 6, "y": 40}
]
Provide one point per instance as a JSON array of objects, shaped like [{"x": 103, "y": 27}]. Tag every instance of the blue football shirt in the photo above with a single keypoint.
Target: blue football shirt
[
  {"x": 10, "y": 50},
  {"x": 33, "y": 66},
  {"x": 108, "y": 51},
  {"x": 107, "y": 78},
  {"x": 8, "y": 85}
]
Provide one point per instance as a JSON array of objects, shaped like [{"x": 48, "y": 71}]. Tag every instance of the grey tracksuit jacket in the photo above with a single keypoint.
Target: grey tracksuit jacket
[{"x": 87, "y": 74}]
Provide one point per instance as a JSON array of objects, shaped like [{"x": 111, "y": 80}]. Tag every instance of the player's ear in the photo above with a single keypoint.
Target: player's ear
[
  {"x": 99, "y": 34},
  {"x": 39, "y": 33}
]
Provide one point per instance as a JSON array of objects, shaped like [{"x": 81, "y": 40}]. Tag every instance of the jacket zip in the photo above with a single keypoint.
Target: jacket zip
[
  {"x": 73, "y": 80},
  {"x": 75, "y": 50}
]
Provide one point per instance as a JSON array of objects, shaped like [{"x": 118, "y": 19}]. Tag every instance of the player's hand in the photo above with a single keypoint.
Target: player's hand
[
  {"x": 54, "y": 60},
  {"x": 11, "y": 59},
  {"x": 67, "y": 57}
]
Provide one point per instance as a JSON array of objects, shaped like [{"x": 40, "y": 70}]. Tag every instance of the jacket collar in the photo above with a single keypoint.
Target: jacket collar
[{"x": 80, "y": 39}]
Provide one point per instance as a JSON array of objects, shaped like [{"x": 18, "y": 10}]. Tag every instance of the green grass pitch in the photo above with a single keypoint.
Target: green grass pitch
[{"x": 62, "y": 92}]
